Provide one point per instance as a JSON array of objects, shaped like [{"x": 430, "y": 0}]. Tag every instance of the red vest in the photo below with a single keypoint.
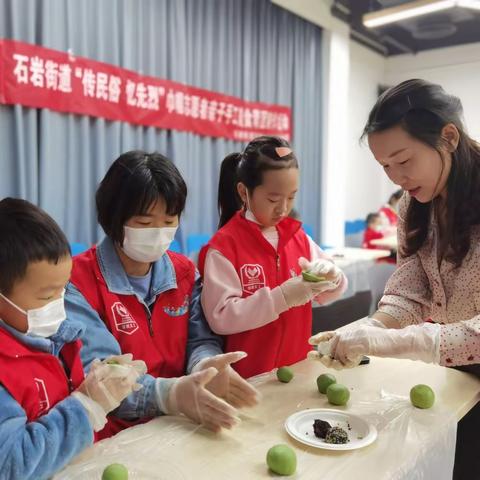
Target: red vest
[
  {"x": 285, "y": 340},
  {"x": 37, "y": 380},
  {"x": 390, "y": 214},
  {"x": 160, "y": 341},
  {"x": 370, "y": 234}
]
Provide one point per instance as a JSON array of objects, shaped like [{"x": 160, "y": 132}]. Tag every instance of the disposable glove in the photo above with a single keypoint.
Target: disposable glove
[
  {"x": 189, "y": 396},
  {"x": 228, "y": 384},
  {"x": 322, "y": 268},
  {"x": 346, "y": 348},
  {"x": 297, "y": 291},
  {"x": 104, "y": 387}
]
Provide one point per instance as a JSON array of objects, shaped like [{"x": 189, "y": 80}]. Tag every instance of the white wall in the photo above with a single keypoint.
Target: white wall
[
  {"x": 457, "y": 69},
  {"x": 367, "y": 187}
]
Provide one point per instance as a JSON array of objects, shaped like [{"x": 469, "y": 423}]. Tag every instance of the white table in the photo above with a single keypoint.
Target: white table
[
  {"x": 387, "y": 242},
  {"x": 345, "y": 256},
  {"x": 356, "y": 263},
  {"x": 410, "y": 440}
]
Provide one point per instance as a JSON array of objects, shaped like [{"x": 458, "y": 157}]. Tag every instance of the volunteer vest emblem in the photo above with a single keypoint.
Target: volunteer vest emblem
[
  {"x": 42, "y": 396},
  {"x": 177, "y": 311},
  {"x": 252, "y": 277},
  {"x": 124, "y": 322}
]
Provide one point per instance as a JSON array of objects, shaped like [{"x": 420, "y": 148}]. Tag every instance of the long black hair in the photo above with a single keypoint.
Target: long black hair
[
  {"x": 422, "y": 109},
  {"x": 260, "y": 155}
]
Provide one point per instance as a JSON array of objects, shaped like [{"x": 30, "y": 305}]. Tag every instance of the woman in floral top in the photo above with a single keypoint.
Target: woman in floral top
[{"x": 430, "y": 310}]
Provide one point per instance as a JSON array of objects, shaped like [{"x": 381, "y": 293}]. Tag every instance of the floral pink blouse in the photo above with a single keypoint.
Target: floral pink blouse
[{"x": 420, "y": 289}]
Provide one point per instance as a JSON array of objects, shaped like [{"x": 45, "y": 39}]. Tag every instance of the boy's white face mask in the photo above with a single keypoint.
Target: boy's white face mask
[
  {"x": 46, "y": 320},
  {"x": 147, "y": 244}
]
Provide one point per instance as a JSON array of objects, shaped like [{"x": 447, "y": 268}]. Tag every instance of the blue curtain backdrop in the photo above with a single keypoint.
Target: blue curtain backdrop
[{"x": 246, "y": 48}]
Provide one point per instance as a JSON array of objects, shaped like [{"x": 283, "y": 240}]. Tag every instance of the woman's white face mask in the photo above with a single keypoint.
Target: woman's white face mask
[
  {"x": 46, "y": 320},
  {"x": 147, "y": 244}
]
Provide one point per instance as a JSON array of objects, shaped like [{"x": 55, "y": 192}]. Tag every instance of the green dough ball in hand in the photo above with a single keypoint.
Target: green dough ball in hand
[
  {"x": 113, "y": 362},
  {"x": 338, "y": 394},
  {"x": 311, "y": 277},
  {"x": 422, "y": 396},
  {"x": 285, "y": 374},
  {"x": 324, "y": 381},
  {"x": 115, "y": 471},
  {"x": 281, "y": 459}
]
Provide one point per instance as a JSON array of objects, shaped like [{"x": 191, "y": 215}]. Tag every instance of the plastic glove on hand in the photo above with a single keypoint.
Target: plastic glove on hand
[
  {"x": 126, "y": 360},
  {"x": 109, "y": 384},
  {"x": 188, "y": 395},
  {"x": 415, "y": 342},
  {"x": 228, "y": 384},
  {"x": 326, "y": 343},
  {"x": 321, "y": 267}
]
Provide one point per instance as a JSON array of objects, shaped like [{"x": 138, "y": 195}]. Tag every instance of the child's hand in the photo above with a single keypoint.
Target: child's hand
[
  {"x": 103, "y": 389},
  {"x": 322, "y": 268},
  {"x": 188, "y": 395},
  {"x": 127, "y": 360},
  {"x": 228, "y": 384}
]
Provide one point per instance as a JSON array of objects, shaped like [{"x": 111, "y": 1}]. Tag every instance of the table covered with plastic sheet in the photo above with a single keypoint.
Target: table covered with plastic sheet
[{"x": 411, "y": 443}]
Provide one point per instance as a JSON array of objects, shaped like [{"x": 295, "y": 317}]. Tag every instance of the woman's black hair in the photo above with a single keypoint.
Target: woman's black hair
[
  {"x": 395, "y": 196},
  {"x": 260, "y": 155},
  {"x": 28, "y": 235},
  {"x": 132, "y": 184},
  {"x": 422, "y": 109}
]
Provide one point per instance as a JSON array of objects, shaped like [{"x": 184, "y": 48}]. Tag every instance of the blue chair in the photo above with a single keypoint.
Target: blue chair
[
  {"x": 308, "y": 229},
  {"x": 78, "y": 248},
  {"x": 175, "y": 247},
  {"x": 349, "y": 228},
  {"x": 195, "y": 242}
]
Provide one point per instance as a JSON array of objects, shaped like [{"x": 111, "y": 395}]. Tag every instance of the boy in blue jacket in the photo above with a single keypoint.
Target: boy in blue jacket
[{"x": 49, "y": 408}]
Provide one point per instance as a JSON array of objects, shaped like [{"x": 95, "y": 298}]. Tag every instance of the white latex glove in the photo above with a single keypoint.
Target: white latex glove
[
  {"x": 415, "y": 342},
  {"x": 228, "y": 384},
  {"x": 189, "y": 396},
  {"x": 297, "y": 291},
  {"x": 322, "y": 268},
  {"x": 104, "y": 388},
  {"x": 126, "y": 359}
]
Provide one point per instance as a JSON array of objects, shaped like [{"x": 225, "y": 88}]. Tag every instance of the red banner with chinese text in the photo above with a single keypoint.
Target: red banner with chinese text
[{"x": 39, "y": 77}]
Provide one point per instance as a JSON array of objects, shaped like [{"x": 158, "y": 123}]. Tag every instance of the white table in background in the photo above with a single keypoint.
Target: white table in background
[
  {"x": 356, "y": 263},
  {"x": 387, "y": 242}
]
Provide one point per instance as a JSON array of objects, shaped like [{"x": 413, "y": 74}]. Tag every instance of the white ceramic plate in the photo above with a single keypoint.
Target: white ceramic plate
[{"x": 300, "y": 427}]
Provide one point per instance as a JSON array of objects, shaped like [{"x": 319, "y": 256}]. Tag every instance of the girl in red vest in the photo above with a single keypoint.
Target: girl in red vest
[
  {"x": 254, "y": 293},
  {"x": 49, "y": 409},
  {"x": 135, "y": 296}
]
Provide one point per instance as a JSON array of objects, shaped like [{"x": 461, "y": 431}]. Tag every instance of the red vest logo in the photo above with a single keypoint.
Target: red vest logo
[
  {"x": 124, "y": 322},
  {"x": 44, "y": 404},
  {"x": 252, "y": 277}
]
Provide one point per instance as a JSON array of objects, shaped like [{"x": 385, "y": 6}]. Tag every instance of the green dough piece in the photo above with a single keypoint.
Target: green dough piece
[
  {"x": 422, "y": 396},
  {"x": 311, "y": 277},
  {"x": 285, "y": 374},
  {"x": 115, "y": 471},
  {"x": 324, "y": 381},
  {"x": 282, "y": 460},
  {"x": 338, "y": 394}
]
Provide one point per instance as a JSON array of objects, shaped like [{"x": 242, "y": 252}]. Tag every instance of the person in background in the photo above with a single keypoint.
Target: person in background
[
  {"x": 135, "y": 296},
  {"x": 254, "y": 293},
  {"x": 50, "y": 410},
  {"x": 373, "y": 230},
  {"x": 389, "y": 212}
]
